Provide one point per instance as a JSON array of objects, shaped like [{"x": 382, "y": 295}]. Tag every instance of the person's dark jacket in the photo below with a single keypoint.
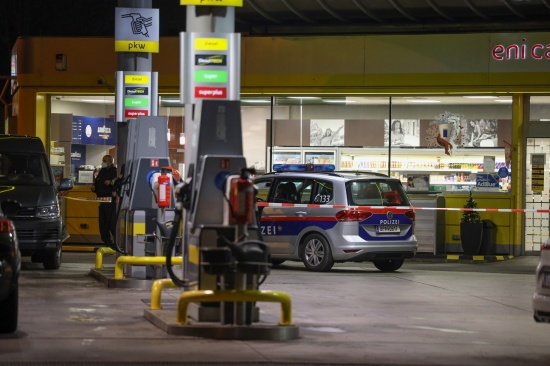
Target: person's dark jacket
[{"x": 102, "y": 189}]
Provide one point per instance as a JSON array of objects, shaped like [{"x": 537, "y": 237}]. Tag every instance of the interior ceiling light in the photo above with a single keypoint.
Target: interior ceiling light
[
  {"x": 503, "y": 100},
  {"x": 341, "y": 101},
  {"x": 255, "y": 101},
  {"x": 102, "y": 101},
  {"x": 480, "y": 97},
  {"x": 303, "y": 98},
  {"x": 420, "y": 100}
]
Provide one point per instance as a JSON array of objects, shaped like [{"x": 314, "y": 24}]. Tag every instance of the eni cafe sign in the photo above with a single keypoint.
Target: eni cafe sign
[{"x": 523, "y": 51}]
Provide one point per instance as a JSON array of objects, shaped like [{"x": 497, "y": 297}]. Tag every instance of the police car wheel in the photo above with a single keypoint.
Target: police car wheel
[
  {"x": 316, "y": 254},
  {"x": 388, "y": 265}
]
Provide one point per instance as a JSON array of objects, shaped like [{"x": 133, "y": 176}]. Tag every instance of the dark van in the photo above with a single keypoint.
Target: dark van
[{"x": 26, "y": 177}]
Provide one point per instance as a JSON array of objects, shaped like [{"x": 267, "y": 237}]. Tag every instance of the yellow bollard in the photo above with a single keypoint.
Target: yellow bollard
[
  {"x": 99, "y": 256},
  {"x": 140, "y": 261},
  {"x": 235, "y": 296},
  {"x": 156, "y": 291}
]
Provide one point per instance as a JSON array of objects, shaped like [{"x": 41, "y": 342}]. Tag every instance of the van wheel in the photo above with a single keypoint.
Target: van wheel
[
  {"x": 388, "y": 265},
  {"x": 52, "y": 258},
  {"x": 316, "y": 254},
  {"x": 8, "y": 309}
]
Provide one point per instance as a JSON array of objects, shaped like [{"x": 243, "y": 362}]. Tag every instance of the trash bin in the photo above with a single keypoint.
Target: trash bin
[{"x": 488, "y": 239}]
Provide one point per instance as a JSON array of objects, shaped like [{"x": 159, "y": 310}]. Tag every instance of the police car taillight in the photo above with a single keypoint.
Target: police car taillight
[
  {"x": 303, "y": 167},
  {"x": 353, "y": 215},
  {"x": 411, "y": 215}
]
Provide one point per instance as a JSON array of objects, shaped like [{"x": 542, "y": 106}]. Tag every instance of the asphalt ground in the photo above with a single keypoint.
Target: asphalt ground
[{"x": 430, "y": 312}]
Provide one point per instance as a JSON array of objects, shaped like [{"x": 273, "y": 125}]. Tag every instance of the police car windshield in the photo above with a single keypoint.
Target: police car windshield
[{"x": 376, "y": 193}]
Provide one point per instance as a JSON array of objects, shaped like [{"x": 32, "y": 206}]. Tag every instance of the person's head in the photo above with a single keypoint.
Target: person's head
[
  {"x": 409, "y": 180},
  {"x": 328, "y": 132},
  {"x": 107, "y": 161},
  {"x": 396, "y": 126}
]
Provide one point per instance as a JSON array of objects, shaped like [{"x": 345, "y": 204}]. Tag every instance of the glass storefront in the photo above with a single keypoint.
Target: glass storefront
[{"x": 395, "y": 135}]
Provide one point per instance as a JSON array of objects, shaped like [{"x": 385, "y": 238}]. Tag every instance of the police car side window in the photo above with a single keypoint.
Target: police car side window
[
  {"x": 263, "y": 190},
  {"x": 286, "y": 191},
  {"x": 305, "y": 192},
  {"x": 324, "y": 193}
]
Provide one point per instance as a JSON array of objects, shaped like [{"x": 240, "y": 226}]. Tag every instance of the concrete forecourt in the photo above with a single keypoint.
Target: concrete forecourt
[{"x": 430, "y": 312}]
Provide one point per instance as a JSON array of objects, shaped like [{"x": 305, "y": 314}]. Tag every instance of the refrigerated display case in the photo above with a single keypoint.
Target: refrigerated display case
[
  {"x": 305, "y": 155},
  {"x": 320, "y": 156},
  {"x": 282, "y": 156},
  {"x": 446, "y": 173}
]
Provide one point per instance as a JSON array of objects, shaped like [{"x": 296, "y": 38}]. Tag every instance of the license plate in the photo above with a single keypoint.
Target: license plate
[{"x": 388, "y": 228}]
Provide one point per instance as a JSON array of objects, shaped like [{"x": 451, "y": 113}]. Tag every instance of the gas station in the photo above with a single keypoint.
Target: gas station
[{"x": 209, "y": 212}]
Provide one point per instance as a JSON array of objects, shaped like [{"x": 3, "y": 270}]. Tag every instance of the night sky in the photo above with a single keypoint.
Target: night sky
[{"x": 71, "y": 18}]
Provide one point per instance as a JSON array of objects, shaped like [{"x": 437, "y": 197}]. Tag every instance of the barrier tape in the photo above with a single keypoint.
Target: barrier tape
[
  {"x": 402, "y": 208},
  {"x": 89, "y": 199}
]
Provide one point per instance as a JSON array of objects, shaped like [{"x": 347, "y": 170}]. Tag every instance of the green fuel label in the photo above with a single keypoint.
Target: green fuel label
[
  {"x": 136, "y": 102},
  {"x": 210, "y": 76}
]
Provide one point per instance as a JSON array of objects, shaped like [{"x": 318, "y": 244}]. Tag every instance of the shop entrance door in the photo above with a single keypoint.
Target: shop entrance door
[{"x": 537, "y": 186}]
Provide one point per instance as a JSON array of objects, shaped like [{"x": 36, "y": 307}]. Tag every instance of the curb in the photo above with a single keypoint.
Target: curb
[{"x": 467, "y": 258}]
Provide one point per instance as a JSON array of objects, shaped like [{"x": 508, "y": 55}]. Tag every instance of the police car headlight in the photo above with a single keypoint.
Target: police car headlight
[{"x": 47, "y": 211}]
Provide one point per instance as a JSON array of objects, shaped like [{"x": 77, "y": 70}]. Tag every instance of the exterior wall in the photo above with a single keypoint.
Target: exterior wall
[{"x": 381, "y": 65}]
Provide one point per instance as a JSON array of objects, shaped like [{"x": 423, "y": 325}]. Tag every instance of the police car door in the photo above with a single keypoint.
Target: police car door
[{"x": 282, "y": 222}]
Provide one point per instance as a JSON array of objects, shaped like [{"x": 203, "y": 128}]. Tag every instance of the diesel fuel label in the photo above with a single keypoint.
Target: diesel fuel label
[
  {"x": 210, "y": 76},
  {"x": 210, "y": 60},
  {"x": 137, "y": 90},
  {"x": 210, "y": 44},
  {"x": 136, "y": 79}
]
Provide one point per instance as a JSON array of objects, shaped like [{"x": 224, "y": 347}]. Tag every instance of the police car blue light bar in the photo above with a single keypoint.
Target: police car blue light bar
[{"x": 303, "y": 167}]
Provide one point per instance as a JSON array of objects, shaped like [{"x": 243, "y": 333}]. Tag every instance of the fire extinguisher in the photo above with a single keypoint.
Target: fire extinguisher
[
  {"x": 242, "y": 199},
  {"x": 163, "y": 189}
]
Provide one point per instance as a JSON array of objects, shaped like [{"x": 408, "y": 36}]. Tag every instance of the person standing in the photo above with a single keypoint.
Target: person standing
[{"x": 104, "y": 187}]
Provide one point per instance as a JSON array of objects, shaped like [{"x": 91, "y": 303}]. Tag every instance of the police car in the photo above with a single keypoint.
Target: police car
[{"x": 311, "y": 213}]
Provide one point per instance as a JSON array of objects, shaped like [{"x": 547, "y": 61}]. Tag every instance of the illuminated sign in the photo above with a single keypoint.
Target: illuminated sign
[
  {"x": 136, "y": 91},
  {"x": 135, "y": 113},
  {"x": 136, "y": 79},
  {"x": 212, "y": 2},
  {"x": 210, "y": 60},
  {"x": 209, "y": 76},
  {"x": 211, "y": 66},
  {"x": 537, "y": 51},
  {"x": 212, "y": 93},
  {"x": 136, "y": 94},
  {"x": 210, "y": 44},
  {"x": 136, "y": 102},
  {"x": 137, "y": 30}
]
